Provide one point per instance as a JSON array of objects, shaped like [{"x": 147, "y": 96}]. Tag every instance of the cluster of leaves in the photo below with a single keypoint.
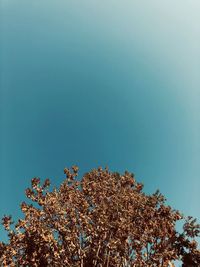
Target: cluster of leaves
[{"x": 103, "y": 220}]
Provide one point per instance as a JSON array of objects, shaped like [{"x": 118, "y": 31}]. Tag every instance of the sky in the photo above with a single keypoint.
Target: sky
[{"x": 100, "y": 83}]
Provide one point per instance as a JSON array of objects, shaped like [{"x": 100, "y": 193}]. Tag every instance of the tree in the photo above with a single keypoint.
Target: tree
[{"x": 105, "y": 219}]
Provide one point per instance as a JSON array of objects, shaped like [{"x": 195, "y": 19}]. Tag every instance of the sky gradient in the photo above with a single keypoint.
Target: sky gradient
[{"x": 98, "y": 83}]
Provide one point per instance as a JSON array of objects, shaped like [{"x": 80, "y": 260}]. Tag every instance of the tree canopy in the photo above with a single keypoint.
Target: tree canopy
[{"x": 104, "y": 219}]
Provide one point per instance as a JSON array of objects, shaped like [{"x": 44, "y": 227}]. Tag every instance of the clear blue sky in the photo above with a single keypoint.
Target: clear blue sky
[{"x": 101, "y": 83}]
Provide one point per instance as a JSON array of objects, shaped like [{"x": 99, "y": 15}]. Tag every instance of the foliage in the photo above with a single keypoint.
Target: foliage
[{"x": 103, "y": 220}]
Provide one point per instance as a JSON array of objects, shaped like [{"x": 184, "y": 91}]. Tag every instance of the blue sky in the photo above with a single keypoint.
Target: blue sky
[{"x": 98, "y": 83}]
